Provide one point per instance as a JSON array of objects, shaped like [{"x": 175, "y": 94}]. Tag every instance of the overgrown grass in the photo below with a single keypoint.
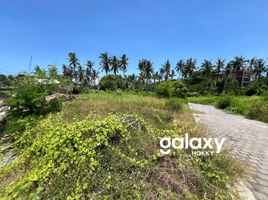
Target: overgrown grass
[
  {"x": 253, "y": 107},
  {"x": 106, "y": 146}
]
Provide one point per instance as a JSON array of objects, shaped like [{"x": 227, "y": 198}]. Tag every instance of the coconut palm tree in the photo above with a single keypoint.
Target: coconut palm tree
[
  {"x": 123, "y": 66},
  {"x": 172, "y": 74},
  {"x": 115, "y": 65},
  {"x": 219, "y": 66},
  {"x": 238, "y": 64},
  {"x": 180, "y": 68},
  {"x": 148, "y": 72},
  {"x": 73, "y": 64},
  {"x": 67, "y": 72},
  {"x": 80, "y": 74},
  {"x": 206, "y": 68},
  {"x": 123, "y": 63},
  {"x": 89, "y": 71},
  {"x": 105, "y": 62},
  {"x": 166, "y": 69},
  {"x": 259, "y": 68},
  {"x": 141, "y": 68},
  {"x": 94, "y": 76},
  {"x": 190, "y": 67},
  {"x": 228, "y": 71}
]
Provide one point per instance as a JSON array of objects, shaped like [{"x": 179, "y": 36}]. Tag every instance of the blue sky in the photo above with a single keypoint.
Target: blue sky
[{"x": 154, "y": 29}]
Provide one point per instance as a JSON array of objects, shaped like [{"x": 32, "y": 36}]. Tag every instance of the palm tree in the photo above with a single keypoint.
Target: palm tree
[
  {"x": 124, "y": 63},
  {"x": 80, "y": 74},
  {"x": 105, "y": 62},
  {"x": 219, "y": 65},
  {"x": 52, "y": 71},
  {"x": 73, "y": 63},
  {"x": 67, "y": 71},
  {"x": 228, "y": 71},
  {"x": 94, "y": 76},
  {"x": 206, "y": 68},
  {"x": 259, "y": 68},
  {"x": 180, "y": 68},
  {"x": 123, "y": 66},
  {"x": 172, "y": 74},
  {"x": 89, "y": 70},
  {"x": 148, "y": 71},
  {"x": 166, "y": 70},
  {"x": 115, "y": 65},
  {"x": 190, "y": 67},
  {"x": 238, "y": 64},
  {"x": 141, "y": 67}
]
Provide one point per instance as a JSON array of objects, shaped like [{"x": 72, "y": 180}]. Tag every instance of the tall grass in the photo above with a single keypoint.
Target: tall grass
[{"x": 253, "y": 107}]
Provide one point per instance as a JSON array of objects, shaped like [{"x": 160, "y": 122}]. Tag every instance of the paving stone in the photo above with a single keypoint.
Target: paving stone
[{"x": 247, "y": 140}]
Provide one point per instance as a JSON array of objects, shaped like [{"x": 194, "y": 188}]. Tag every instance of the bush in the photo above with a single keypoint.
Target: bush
[
  {"x": 180, "y": 89},
  {"x": 30, "y": 98},
  {"x": 258, "y": 111},
  {"x": 165, "y": 89},
  {"x": 223, "y": 103},
  {"x": 174, "y": 104},
  {"x": 172, "y": 89},
  {"x": 111, "y": 82}
]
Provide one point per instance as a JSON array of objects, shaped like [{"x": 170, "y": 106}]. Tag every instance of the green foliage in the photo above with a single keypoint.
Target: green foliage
[
  {"x": 106, "y": 158},
  {"x": 180, "y": 89},
  {"x": 30, "y": 98},
  {"x": 256, "y": 88},
  {"x": 253, "y": 107},
  {"x": 172, "y": 89},
  {"x": 259, "y": 111},
  {"x": 165, "y": 89},
  {"x": 174, "y": 104},
  {"x": 111, "y": 82},
  {"x": 223, "y": 102}
]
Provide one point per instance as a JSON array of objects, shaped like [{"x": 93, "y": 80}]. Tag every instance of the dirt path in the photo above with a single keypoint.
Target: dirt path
[{"x": 248, "y": 140}]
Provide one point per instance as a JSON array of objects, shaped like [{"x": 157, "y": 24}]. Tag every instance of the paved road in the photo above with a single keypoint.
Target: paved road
[{"x": 248, "y": 140}]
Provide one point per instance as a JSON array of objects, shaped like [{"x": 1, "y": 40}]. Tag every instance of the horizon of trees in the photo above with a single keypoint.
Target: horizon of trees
[{"x": 188, "y": 70}]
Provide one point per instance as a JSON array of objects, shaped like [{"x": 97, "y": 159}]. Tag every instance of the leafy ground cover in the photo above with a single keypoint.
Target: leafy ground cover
[
  {"x": 106, "y": 146},
  {"x": 253, "y": 107}
]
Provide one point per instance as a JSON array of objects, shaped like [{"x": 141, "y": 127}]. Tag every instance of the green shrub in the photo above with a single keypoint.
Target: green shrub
[
  {"x": 174, "y": 104},
  {"x": 258, "y": 111},
  {"x": 180, "y": 89},
  {"x": 223, "y": 103},
  {"x": 30, "y": 98},
  {"x": 172, "y": 89},
  {"x": 165, "y": 89},
  {"x": 111, "y": 82}
]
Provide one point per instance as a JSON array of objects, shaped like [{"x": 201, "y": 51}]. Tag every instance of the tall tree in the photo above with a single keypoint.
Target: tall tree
[
  {"x": 73, "y": 64},
  {"x": 228, "y": 71},
  {"x": 166, "y": 69},
  {"x": 52, "y": 72},
  {"x": 206, "y": 68},
  {"x": 123, "y": 63},
  {"x": 123, "y": 66},
  {"x": 219, "y": 65},
  {"x": 238, "y": 64},
  {"x": 190, "y": 67},
  {"x": 94, "y": 76},
  {"x": 115, "y": 65},
  {"x": 80, "y": 74},
  {"x": 105, "y": 62},
  {"x": 180, "y": 68},
  {"x": 259, "y": 68},
  {"x": 148, "y": 71},
  {"x": 67, "y": 72},
  {"x": 141, "y": 67}
]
